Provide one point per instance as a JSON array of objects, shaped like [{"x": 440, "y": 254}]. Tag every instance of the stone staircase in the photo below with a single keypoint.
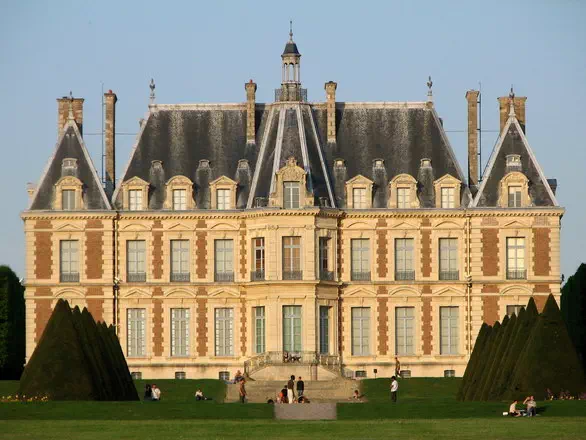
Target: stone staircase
[{"x": 259, "y": 391}]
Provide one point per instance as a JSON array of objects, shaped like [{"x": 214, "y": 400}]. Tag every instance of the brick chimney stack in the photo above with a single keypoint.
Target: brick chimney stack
[
  {"x": 331, "y": 87},
  {"x": 472, "y": 98},
  {"x": 504, "y": 108},
  {"x": 250, "y": 88},
  {"x": 63, "y": 113},
  {"x": 110, "y": 99}
]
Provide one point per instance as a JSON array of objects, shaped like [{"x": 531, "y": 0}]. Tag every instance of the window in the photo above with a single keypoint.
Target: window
[
  {"x": 292, "y": 258},
  {"x": 135, "y": 261},
  {"x": 258, "y": 249},
  {"x": 224, "y": 375},
  {"x": 179, "y": 260},
  {"x": 514, "y": 196},
  {"x": 179, "y": 199},
  {"x": 224, "y": 260},
  {"x": 449, "y": 373},
  {"x": 360, "y": 259},
  {"x": 68, "y": 199},
  {"x": 448, "y": 198},
  {"x": 292, "y": 328},
  {"x": 224, "y": 332},
  {"x": 359, "y": 198},
  {"x": 448, "y": 249},
  {"x": 404, "y": 259},
  {"x": 136, "y": 332},
  {"x": 179, "y": 332},
  {"x": 449, "y": 330},
  {"x": 360, "y": 331},
  {"x": 514, "y": 309},
  {"x": 324, "y": 329},
  {"x": 405, "y": 374},
  {"x": 404, "y": 324},
  {"x": 223, "y": 198},
  {"x": 135, "y": 199},
  {"x": 259, "y": 329},
  {"x": 136, "y": 375},
  {"x": 291, "y": 195},
  {"x": 516, "y": 258},
  {"x": 360, "y": 374},
  {"x": 180, "y": 375},
  {"x": 69, "y": 257},
  {"x": 324, "y": 272},
  {"x": 403, "y": 198}
]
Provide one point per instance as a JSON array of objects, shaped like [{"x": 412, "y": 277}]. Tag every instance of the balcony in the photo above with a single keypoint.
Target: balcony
[
  {"x": 326, "y": 275},
  {"x": 180, "y": 277},
  {"x": 136, "y": 277},
  {"x": 293, "y": 94},
  {"x": 224, "y": 277},
  {"x": 292, "y": 274},
  {"x": 519, "y": 274},
  {"x": 449, "y": 275},
  {"x": 257, "y": 275},
  {"x": 360, "y": 275},
  {"x": 404, "y": 275},
  {"x": 71, "y": 277}
]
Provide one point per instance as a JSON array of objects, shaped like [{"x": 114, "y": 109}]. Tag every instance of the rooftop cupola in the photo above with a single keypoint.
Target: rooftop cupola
[{"x": 291, "y": 73}]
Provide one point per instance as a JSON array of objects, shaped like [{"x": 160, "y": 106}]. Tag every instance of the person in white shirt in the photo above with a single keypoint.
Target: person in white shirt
[
  {"x": 199, "y": 395},
  {"x": 513, "y": 411},
  {"x": 156, "y": 392},
  {"x": 394, "y": 388}
]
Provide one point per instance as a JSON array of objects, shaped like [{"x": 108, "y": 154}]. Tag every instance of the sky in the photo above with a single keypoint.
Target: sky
[{"x": 375, "y": 51}]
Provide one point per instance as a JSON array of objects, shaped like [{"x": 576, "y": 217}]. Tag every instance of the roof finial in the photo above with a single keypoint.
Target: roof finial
[
  {"x": 152, "y": 87},
  {"x": 71, "y": 117},
  {"x": 291, "y": 31},
  {"x": 512, "y": 102},
  {"x": 429, "y": 91}
]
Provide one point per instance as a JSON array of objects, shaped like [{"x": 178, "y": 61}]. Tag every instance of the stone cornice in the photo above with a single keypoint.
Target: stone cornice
[{"x": 67, "y": 215}]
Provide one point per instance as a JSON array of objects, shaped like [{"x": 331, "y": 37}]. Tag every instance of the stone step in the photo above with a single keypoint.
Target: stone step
[{"x": 309, "y": 411}]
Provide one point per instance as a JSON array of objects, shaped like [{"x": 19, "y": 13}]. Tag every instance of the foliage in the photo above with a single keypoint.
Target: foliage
[
  {"x": 489, "y": 388},
  {"x": 478, "y": 376},
  {"x": 492, "y": 360},
  {"x": 573, "y": 307},
  {"x": 481, "y": 340},
  {"x": 12, "y": 325}
]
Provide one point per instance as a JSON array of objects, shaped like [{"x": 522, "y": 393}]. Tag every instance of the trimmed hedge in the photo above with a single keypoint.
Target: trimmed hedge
[
  {"x": 12, "y": 325},
  {"x": 477, "y": 373},
  {"x": 498, "y": 357},
  {"x": 481, "y": 340},
  {"x": 490, "y": 359}
]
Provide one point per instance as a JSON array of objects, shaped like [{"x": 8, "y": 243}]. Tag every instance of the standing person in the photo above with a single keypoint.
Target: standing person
[
  {"x": 300, "y": 387},
  {"x": 156, "y": 393},
  {"x": 242, "y": 390},
  {"x": 394, "y": 388},
  {"x": 397, "y": 367},
  {"x": 290, "y": 388}
]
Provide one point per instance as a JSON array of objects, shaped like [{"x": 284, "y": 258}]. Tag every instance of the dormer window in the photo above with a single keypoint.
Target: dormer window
[
  {"x": 179, "y": 200},
  {"x": 68, "y": 194},
  {"x": 68, "y": 199},
  {"x": 223, "y": 191},
  {"x": 359, "y": 192},
  {"x": 514, "y": 190},
  {"x": 359, "y": 198},
  {"x": 135, "y": 199},
  {"x": 179, "y": 194},
  {"x": 403, "y": 192},
  {"x": 514, "y": 196},
  {"x": 291, "y": 195},
  {"x": 447, "y": 192},
  {"x": 448, "y": 198},
  {"x": 223, "y": 199}
]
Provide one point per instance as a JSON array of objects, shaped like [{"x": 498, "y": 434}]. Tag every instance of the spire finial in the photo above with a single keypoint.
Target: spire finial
[
  {"x": 152, "y": 87},
  {"x": 70, "y": 116},
  {"x": 511, "y": 102},
  {"x": 291, "y": 31},
  {"x": 429, "y": 91}
]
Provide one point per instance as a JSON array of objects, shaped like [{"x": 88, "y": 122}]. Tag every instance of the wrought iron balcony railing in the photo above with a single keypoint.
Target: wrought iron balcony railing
[
  {"x": 182, "y": 277},
  {"x": 449, "y": 275},
  {"x": 257, "y": 275},
  {"x": 292, "y": 274},
  {"x": 225, "y": 277},
  {"x": 136, "y": 277},
  {"x": 326, "y": 275},
  {"x": 71, "y": 277},
  {"x": 360, "y": 275},
  {"x": 404, "y": 275},
  {"x": 519, "y": 274}
]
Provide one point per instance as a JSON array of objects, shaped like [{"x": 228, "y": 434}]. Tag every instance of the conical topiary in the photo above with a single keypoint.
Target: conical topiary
[
  {"x": 58, "y": 367},
  {"x": 498, "y": 359},
  {"x": 549, "y": 359},
  {"x": 477, "y": 375},
  {"x": 481, "y": 340},
  {"x": 491, "y": 359}
]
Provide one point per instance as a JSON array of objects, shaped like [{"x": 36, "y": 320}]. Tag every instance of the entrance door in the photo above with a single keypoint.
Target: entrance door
[{"x": 292, "y": 328}]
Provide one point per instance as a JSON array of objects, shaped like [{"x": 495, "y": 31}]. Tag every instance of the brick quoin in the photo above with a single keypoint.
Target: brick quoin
[
  {"x": 243, "y": 250},
  {"x": 43, "y": 255},
  {"x": 341, "y": 325},
  {"x": 202, "y": 323},
  {"x": 426, "y": 253},
  {"x": 490, "y": 251},
  {"x": 157, "y": 255},
  {"x": 158, "y": 327},
  {"x": 96, "y": 307},
  {"x": 43, "y": 312},
  {"x": 158, "y": 291},
  {"x": 201, "y": 256},
  {"x": 382, "y": 247},
  {"x": 383, "y": 318},
  {"x": 243, "y": 320},
  {"x": 340, "y": 255},
  {"x": 541, "y": 237},
  {"x": 94, "y": 223},
  {"x": 426, "y": 326},
  {"x": 94, "y": 254},
  {"x": 540, "y": 300}
]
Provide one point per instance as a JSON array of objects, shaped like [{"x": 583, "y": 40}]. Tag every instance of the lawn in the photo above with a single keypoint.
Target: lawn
[{"x": 426, "y": 409}]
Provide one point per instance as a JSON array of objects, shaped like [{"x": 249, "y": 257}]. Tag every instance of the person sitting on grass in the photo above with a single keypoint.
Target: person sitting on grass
[
  {"x": 156, "y": 393},
  {"x": 148, "y": 393},
  {"x": 513, "y": 411},
  {"x": 303, "y": 399},
  {"x": 199, "y": 395},
  {"x": 531, "y": 406}
]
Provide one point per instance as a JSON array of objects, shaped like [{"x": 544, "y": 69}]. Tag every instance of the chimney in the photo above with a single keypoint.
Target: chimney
[
  {"x": 331, "y": 110},
  {"x": 110, "y": 139},
  {"x": 63, "y": 113},
  {"x": 504, "y": 108},
  {"x": 250, "y": 112},
  {"x": 472, "y": 98}
]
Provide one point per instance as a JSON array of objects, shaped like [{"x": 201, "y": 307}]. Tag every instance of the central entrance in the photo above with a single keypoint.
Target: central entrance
[{"x": 292, "y": 328}]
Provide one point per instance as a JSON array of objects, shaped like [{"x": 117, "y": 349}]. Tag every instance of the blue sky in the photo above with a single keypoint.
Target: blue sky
[{"x": 375, "y": 51}]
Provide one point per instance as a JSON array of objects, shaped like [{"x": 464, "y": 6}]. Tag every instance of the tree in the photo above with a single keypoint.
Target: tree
[
  {"x": 573, "y": 307},
  {"x": 12, "y": 325},
  {"x": 490, "y": 360},
  {"x": 497, "y": 361},
  {"x": 477, "y": 376},
  {"x": 481, "y": 340}
]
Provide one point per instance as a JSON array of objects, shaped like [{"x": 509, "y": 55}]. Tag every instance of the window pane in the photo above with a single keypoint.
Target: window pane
[
  {"x": 259, "y": 317},
  {"x": 404, "y": 325},
  {"x": 449, "y": 330},
  {"x": 224, "y": 332},
  {"x": 403, "y": 198},
  {"x": 292, "y": 328},
  {"x": 324, "y": 330},
  {"x": 68, "y": 199},
  {"x": 360, "y": 331},
  {"x": 180, "y": 256},
  {"x": 359, "y": 198},
  {"x": 223, "y": 198},
  {"x": 179, "y": 199},
  {"x": 135, "y": 199},
  {"x": 179, "y": 332},
  {"x": 135, "y": 332},
  {"x": 291, "y": 193}
]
